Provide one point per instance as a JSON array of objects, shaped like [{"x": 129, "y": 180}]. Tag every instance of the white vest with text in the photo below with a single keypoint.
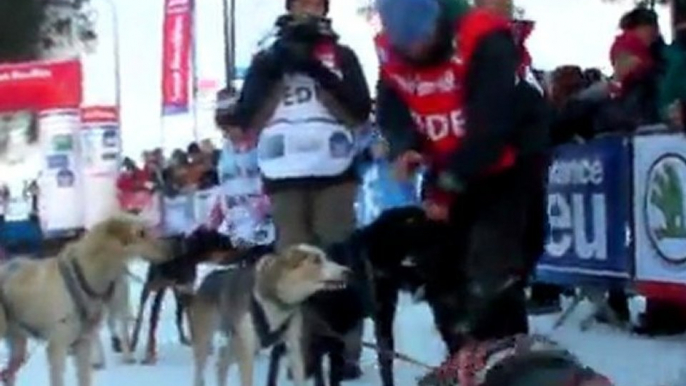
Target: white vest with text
[{"x": 303, "y": 139}]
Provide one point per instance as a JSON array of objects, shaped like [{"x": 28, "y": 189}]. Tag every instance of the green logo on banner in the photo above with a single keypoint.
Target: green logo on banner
[{"x": 665, "y": 210}]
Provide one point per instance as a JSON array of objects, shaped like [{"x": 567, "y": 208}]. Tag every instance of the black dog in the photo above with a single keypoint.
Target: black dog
[
  {"x": 400, "y": 247},
  {"x": 385, "y": 259},
  {"x": 179, "y": 275}
]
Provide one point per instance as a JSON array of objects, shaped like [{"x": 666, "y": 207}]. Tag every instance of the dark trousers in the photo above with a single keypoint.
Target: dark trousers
[{"x": 494, "y": 241}]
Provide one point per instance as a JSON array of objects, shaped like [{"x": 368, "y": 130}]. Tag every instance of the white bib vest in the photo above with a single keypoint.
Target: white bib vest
[{"x": 303, "y": 139}]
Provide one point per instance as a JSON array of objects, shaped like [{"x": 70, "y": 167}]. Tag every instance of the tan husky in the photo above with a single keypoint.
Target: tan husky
[
  {"x": 60, "y": 300},
  {"x": 257, "y": 306}
]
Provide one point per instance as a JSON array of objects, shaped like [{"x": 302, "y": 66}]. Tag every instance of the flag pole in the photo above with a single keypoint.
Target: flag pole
[{"x": 229, "y": 41}]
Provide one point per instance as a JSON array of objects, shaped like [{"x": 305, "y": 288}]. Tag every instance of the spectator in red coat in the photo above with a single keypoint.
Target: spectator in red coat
[{"x": 132, "y": 178}]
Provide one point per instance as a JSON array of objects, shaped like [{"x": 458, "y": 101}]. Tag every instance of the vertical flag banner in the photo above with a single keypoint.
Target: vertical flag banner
[{"x": 177, "y": 43}]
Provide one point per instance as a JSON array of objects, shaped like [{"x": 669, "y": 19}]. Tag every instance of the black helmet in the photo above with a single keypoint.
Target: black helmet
[{"x": 326, "y": 6}]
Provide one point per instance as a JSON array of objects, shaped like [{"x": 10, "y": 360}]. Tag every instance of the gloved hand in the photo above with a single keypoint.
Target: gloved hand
[{"x": 406, "y": 165}]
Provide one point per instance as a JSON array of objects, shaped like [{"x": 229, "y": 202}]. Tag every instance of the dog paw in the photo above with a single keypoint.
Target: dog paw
[
  {"x": 129, "y": 360},
  {"x": 98, "y": 366}
]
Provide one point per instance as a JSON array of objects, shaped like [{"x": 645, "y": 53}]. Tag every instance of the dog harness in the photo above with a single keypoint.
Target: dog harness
[
  {"x": 267, "y": 336},
  {"x": 81, "y": 292}
]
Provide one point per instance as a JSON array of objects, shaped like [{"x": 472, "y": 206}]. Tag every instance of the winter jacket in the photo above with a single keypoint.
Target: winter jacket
[
  {"x": 347, "y": 98},
  {"x": 673, "y": 85}
]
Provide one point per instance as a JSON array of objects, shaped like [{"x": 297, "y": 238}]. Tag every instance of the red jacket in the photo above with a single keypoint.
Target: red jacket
[
  {"x": 130, "y": 181},
  {"x": 630, "y": 43}
]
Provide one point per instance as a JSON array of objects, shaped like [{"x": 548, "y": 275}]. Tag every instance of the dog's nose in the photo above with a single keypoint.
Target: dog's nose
[{"x": 347, "y": 274}]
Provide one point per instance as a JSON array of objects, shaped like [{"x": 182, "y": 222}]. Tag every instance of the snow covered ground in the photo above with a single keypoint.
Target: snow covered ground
[{"x": 628, "y": 360}]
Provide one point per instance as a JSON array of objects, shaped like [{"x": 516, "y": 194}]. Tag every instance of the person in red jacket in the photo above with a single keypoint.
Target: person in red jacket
[
  {"x": 453, "y": 96},
  {"x": 133, "y": 186}
]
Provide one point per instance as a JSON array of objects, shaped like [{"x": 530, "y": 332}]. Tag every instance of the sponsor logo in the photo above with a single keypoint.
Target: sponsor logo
[{"x": 664, "y": 208}]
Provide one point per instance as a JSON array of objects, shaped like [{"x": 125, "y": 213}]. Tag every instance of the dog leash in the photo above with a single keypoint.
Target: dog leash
[
  {"x": 389, "y": 354},
  {"x": 397, "y": 355}
]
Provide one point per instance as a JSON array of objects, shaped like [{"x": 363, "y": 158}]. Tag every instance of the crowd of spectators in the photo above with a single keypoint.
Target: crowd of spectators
[
  {"x": 646, "y": 88},
  {"x": 179, "y": 173}
]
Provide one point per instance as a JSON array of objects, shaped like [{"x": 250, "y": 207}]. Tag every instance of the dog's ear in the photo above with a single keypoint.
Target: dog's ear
[{"x": 301, "y": 253}]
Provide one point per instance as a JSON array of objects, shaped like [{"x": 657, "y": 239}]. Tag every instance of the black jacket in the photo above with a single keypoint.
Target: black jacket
[{"x": 347, "y": 97}]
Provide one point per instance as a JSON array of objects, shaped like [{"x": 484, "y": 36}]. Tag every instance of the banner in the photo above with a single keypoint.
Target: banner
[
  {"x": 177, "y": 41},
  {"x": 100, "y": 139},
  {"x": 380, "y": 191},
  {"x": 588, "y": 213},
  {"x": 60, "y": 184},
  {"x": 40, "y": 85},
  {"x": 100, "y": 150},
  {"x": 660, "y": 207}
]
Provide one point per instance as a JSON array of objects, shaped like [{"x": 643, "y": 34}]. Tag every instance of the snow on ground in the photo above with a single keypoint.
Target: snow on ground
[{"x": 628, "y": 360}]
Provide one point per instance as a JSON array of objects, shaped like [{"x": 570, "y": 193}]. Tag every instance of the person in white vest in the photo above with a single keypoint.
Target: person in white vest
[{"x": 304, "y": 94}]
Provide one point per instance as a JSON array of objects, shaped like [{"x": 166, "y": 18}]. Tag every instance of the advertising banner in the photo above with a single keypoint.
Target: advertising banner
[
  {"x": 61, "y": 204},
  {"x": 177, "y": 45},
  {"x": 660, "y": 207},
  {"x": 100, "y": 150},
  {"x": 588, "y": 213},
  {"x": 40, "y": 85},
  {"x": 100, "y": 139}
]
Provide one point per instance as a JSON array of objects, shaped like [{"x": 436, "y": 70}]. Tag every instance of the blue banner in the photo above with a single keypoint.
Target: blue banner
[
  {"x": 380, "y": 191},
  {"x": 588, "y": 213}
]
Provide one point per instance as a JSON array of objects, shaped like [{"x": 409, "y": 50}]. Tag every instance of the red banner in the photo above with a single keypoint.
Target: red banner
[
  {"x": 99, "y": 114},
  {"x": 176, "y": 56},
  {"x": 40, "y": 85}
]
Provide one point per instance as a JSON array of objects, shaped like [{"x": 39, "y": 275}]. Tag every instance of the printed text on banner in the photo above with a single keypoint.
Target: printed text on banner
[
  {"x": 588, "y": 213},
  {"x": 176, "y": 56}
]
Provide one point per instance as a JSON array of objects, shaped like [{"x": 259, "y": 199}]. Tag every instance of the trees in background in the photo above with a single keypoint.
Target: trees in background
[{"x": 40, "y": 29}]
